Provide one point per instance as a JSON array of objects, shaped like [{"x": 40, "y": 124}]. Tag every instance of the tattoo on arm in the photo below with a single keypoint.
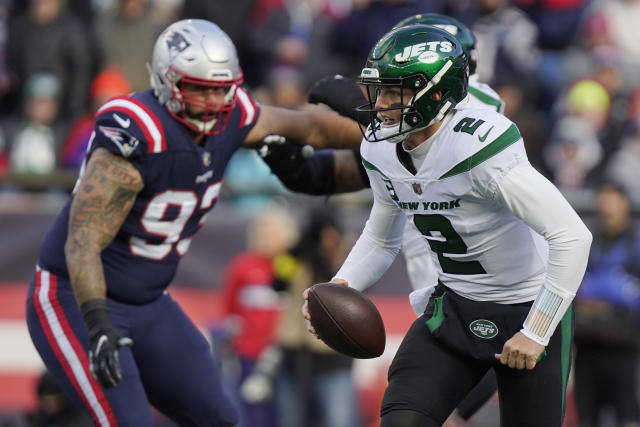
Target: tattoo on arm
[{"x": 105, "y": 196}]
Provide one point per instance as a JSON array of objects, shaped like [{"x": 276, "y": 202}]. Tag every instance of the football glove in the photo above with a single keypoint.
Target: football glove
[
  {"x": 299, "y": 168},
  {"x": 342, "y": 95},
  {"x": 105, "y": 342},
  {"x": 281, "y": 154}
]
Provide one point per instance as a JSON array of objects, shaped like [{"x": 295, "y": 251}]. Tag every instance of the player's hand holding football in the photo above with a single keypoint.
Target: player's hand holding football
[
  {"x": 305, "y": 305},
  {"x": 520, "y": 352},
  {"x": 105, "y": 342}
]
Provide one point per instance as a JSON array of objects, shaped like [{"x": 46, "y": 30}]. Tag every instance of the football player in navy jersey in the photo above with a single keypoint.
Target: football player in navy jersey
[{"x": 97, "y": 309}]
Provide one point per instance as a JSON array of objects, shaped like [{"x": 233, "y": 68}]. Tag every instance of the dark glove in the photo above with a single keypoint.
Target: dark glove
[
  {"x": 283, "y": 155},
  {"x": 105, "y": 342},
  {"x": 300, "y": 169},
  {"x": 342, "y": 95}
]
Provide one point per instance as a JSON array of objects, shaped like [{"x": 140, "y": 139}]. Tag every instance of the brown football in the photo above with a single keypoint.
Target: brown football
[{"x": 346, "y": 320}]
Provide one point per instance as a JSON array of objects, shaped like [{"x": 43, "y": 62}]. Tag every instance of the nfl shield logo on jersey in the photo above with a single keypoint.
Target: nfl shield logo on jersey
[
  {"x": 417, "y": 188},
  {"x": 206, "y": 159}
]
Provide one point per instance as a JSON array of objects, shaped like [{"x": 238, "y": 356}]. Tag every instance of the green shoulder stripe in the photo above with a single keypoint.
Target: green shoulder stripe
[
  {"x": 507, "y": 138},
  {"x": 372, "y": 167},
  {"x": 487, "y": 99}
]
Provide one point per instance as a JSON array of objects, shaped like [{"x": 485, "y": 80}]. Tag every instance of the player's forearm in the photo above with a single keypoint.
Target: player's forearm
[
  {"x": 330, "y": 130},
  {"x": 548, "y": 213},
  {"x": 102, "y": 201},
  {"x": 366, "y": 263},
  {"x": 376, "y": 248},
  {"x": 85, "y": 272},
  {"x": 348, "y": 175}
]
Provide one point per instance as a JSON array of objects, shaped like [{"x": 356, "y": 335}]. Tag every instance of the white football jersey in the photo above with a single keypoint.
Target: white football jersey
[
  {"x": 481, "y": 95},
  {"x": 420, "y": 268},
  {"x": 480, "y": 248}
]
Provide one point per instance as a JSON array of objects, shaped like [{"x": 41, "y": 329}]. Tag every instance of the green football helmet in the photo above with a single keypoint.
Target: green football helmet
[
  {"x": 452, "y": 25},
  {"x": 421, "y": 60}
]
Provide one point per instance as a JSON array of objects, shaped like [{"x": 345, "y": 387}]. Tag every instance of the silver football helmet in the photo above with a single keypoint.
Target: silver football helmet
[{"x": 195, "y": 52}]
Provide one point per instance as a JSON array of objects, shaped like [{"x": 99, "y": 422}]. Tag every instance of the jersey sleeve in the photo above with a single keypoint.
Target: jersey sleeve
[
  {"x": 249, "y": 110},
  {"x": 501, "y": 150},
  {"x": 127, "y": 128},
  {"x": 537, "y": 202},
  {"x": 380, "y": 241},
  {"x": 481, "y": 95}
]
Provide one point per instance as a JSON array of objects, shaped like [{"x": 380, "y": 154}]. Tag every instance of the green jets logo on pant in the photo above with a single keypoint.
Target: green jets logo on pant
[{"x": 483, "y": 328}]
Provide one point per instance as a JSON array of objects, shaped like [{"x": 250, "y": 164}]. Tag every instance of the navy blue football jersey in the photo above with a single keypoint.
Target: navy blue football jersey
[{"x": 181, "y": 184}]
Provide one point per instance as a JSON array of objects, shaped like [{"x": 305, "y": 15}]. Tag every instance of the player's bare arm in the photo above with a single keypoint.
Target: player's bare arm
[
  {"x": 346, "y": 172},
  {"x": 102, "y": 201},
  {"x": 320, "y": 129}
]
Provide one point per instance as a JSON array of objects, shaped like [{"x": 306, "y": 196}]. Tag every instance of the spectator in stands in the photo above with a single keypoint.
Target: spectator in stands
[
  {"x": 108, "y": 84},
  {"x": 615, "y": 24},
  {"x": 54, "y": 407},
  {"x": 572, "y": 152},
  {"x": 48, "y": 38},
  {"x": 126, "y": 34},
  {"x": 249, "y": 183},
  {"x": 575, "y": 146},
  {"x": 253, "y": 307},
  {"x": 35, "y": 139},
  {"x": 624, "y": 164},
  {"x": 369, "y": 20},
  {"x": 314, "y": 382},
  {"x": 507, "y": 40},
  {"x": 607, "y": 308}
]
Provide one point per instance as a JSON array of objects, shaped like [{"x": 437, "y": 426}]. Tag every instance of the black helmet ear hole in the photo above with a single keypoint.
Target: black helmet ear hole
[
  {"x": 413, "y": 118},
  {"x": 418, "y": 83}
]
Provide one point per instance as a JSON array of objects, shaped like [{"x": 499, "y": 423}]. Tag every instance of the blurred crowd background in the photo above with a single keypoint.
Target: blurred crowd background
[{"x": 568, "y": 70}]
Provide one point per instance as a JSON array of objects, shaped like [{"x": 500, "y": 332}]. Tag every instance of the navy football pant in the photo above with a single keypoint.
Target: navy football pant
[{"x": 169, "y": 366}]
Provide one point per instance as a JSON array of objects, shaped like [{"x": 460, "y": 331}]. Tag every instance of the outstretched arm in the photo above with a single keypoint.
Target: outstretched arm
[
  {"x": 320, "y": 129},
  {"x": 303, "y": 170}
]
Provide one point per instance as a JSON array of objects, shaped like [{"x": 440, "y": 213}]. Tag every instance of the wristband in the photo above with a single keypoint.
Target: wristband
[
  {"x": 546, "y": 312},
  {"x": 95, "y": 315},
  {"x": 315, "y": 175}
]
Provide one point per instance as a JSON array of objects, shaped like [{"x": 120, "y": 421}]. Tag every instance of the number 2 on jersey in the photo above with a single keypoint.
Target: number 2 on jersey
[{"x": 452, "y": 244}]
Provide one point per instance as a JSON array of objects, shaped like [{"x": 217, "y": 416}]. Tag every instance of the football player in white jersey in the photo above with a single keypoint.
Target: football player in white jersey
[
  {"x": 339, "y": 171},
  {"x": 462, "y": 177}
]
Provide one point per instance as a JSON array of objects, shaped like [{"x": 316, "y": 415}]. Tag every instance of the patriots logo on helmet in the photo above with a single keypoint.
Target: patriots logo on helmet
[
  {"x": 126, "y": 142},
  {"x": 176, "y": 43}
]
